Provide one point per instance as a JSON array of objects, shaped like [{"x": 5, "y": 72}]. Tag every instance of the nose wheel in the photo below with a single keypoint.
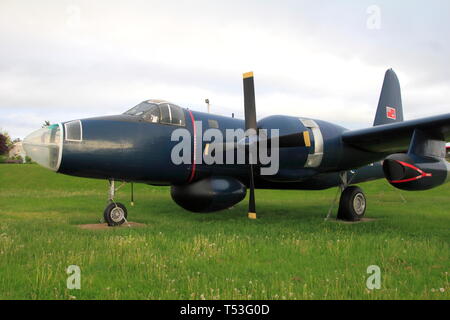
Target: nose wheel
[{"x": 115, "y": 213}]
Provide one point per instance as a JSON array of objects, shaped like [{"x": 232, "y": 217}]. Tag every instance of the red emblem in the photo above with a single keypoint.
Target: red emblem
[{"x": 391, "y": 113}]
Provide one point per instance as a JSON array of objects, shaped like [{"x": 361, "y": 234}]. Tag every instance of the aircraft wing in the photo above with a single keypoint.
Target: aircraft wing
[{"x": 396, "y": 137}]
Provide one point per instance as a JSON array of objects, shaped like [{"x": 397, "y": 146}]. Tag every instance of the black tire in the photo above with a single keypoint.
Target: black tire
[
  {"x": 115, "y": 214},
  {"x": 352, "y": 205}
]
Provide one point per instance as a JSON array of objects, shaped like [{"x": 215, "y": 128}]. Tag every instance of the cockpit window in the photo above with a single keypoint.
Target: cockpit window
[
  {"x": 157, "y": 111},
  {"x": 178, "y": 117},
  {"x": 166, "y": 116},
  {"x": 153, "y": 115},
  {"x": 141, "y": 108},
  {"x": 172, "y": 114}
]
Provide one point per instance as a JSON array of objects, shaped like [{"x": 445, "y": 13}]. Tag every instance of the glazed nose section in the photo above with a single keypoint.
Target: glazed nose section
[{"x": 45, "y": 146}]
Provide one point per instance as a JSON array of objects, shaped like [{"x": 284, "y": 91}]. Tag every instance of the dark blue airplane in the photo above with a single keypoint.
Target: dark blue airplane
[{"x": 313, "y": 154}]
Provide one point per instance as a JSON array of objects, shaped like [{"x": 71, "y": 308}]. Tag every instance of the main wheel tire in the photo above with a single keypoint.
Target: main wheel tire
[
  {"x": 352, "y": 205},
  {"x": 115, "y": 214}
]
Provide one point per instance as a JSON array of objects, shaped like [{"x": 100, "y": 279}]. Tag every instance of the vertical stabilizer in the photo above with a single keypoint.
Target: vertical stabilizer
[{"x": 390, "y": 108}]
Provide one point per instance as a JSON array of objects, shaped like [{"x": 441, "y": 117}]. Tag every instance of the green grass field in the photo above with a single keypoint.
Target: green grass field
[{"x": 290, "y": 252}]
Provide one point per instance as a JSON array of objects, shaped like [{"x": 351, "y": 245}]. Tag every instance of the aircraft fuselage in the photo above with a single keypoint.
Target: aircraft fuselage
[{"x": 125, "y": 147}]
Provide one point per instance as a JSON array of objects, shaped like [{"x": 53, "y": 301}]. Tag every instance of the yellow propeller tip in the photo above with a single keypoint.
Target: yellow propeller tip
[
  {"x": 252, "y": 215},
  {"x": 248, "y": 75}
]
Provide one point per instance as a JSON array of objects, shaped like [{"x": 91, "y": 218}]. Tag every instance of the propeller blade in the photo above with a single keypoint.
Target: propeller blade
[
  {"x": 251, "y": 200},
  {"x": 249, "y": 101},
  {"x": 250, "y": 123}
]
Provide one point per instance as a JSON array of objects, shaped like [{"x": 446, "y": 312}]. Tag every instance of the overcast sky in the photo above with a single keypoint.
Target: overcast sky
[{"x": 63, "y": 60}]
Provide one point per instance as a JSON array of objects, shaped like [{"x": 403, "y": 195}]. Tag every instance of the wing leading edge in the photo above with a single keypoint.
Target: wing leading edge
[{"x": 396, "y": 137}]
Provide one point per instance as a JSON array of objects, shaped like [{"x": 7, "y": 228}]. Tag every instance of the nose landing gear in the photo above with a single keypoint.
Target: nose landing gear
[{"x": 115, "y": 213}]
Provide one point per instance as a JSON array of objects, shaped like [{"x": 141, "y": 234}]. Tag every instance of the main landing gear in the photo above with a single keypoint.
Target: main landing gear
[
  {"x": 115, "y": 213},
  {"x": 352, "y": 204}
]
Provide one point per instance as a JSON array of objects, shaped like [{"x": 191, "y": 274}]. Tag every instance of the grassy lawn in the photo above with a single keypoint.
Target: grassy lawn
[{"x": 290, "y": 252}]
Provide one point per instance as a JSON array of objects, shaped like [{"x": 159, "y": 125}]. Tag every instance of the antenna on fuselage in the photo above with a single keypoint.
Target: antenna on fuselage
[{"x": 208, "y": 105}]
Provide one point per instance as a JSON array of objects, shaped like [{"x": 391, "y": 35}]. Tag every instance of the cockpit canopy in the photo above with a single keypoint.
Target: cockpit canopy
[{"x": 159, "y": 111}]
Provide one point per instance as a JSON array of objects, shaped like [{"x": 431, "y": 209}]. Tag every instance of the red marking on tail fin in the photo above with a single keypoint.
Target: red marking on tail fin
[{"x": 391, "y": 113}]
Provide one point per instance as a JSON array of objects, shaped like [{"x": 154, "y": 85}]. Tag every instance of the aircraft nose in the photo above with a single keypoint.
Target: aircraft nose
[{"x": 45, "y": 146}]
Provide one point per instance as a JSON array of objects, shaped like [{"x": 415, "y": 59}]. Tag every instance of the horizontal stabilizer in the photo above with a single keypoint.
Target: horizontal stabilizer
[{"x": 396, "y": 137}]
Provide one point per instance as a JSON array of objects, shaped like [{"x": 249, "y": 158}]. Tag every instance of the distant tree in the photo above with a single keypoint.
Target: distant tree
[
  {"x": 6, "y": 143},
  {"x": 46, "y": 124},
  {"x": 8, "y": 138},
  {"x": 4, "y": 148}
]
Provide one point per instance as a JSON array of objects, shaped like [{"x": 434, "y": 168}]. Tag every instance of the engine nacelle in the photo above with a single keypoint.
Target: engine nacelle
[
  {"x": 209, "y": 195},
  {"x": 415, "y": 173}
]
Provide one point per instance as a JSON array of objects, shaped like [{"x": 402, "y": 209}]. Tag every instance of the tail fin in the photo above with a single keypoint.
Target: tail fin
[{"x": 390, "y": 108}]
